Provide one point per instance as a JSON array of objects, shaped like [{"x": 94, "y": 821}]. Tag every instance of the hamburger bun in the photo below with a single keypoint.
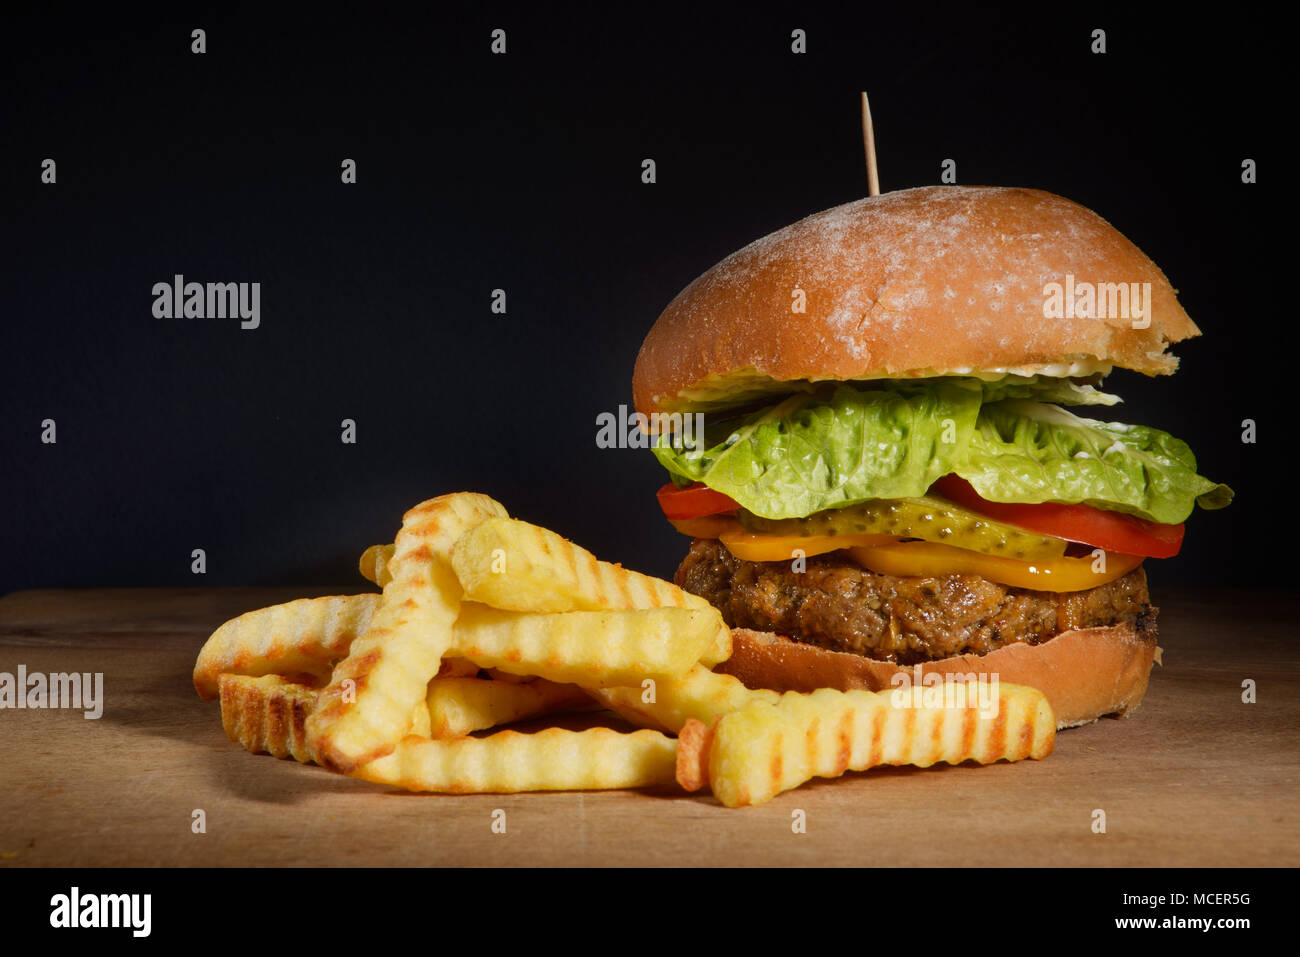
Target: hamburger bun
[
  {"x": 1085, "y": 673},
  {"x": 940, "y": 280}
]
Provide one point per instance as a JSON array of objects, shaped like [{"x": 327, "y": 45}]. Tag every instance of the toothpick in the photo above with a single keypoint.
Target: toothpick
[{"x": 869, "y": 141}]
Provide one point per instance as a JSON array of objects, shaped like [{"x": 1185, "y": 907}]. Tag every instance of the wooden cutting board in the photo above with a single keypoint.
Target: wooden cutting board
[{"x": 1195, "y": 778}]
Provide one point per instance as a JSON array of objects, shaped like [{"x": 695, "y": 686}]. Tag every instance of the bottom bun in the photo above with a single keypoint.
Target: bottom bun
[{"x": 1085, "y": 673}]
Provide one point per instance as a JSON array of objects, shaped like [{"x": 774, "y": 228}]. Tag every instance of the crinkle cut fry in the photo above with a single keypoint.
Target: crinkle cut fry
[
  {"x": 763, "y": 749},
  {"x": 302, "y": 637},
  {"x": 459, "y": 706},
  {"x": 508, "y": 762},
  {"x": 517, "y": 566},
  {"x": 367, "y": 707},
  {"x": 267, "y": 714},
  {"x": 589, "y": 648},
  {"x": 373, "y": 564},
  {"x": 700, "y": 694}
]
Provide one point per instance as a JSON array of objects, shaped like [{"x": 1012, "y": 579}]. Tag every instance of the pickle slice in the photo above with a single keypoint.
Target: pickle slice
[{"x": 929, "y": 519}]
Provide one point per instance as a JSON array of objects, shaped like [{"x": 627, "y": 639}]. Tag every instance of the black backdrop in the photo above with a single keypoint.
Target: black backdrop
[{"x": 522, "y": 172}]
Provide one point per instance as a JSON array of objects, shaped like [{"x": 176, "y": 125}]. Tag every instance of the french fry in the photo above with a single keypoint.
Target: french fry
[
  {"x": 753, "y": 754},
  {"x": 508, "y": 762},
  {"x": 694, "y": 745},
  {"x": 459, "y": 706},
  {"x": 367, "y": 707},
  {"x": 516, "y": 566},
  {"x": 300, "y": 638},
  {"x": 594, "y": 649},
  {"x": 267, "y": 714},
  {"x": 668, "y": 704},
  {"x": 374, "y": 564}
]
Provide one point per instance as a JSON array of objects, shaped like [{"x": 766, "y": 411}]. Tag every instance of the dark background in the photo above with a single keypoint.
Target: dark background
[{"x": 523, "y": 172}]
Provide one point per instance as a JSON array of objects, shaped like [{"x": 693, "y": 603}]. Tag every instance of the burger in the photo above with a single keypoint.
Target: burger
[{"x": 883, "y": 431}]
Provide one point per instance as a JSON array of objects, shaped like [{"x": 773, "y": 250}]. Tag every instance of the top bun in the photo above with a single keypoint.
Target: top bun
[{"x": 941, "y": 280}]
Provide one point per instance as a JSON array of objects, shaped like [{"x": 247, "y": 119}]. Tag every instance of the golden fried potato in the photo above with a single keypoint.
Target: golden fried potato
[
  {"x": 594, "y": 649},
  {"x": 515, "y": 566},
  {"x": 751, "y": 755},
  {"x": 298, "y": 639},
  {"x": 372, "y": 694},
  {"x": 459, "y": 706},
  {"x": 374, "y": 564},
  {"x": 699, "y": 694},
  {"x": 507, "y": 762},
  {"x": 267, "y": 714}
]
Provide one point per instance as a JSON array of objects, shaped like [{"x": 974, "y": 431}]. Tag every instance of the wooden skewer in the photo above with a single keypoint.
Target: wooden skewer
[{"x": 869, "y": 141}]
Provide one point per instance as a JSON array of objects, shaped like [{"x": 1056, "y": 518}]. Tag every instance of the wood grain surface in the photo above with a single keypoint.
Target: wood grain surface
[{"x": 1196, "y": 777}]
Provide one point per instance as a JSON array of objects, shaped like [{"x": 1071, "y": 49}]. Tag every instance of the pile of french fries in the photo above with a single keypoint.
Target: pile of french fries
[{"x": 485, "y": 620}]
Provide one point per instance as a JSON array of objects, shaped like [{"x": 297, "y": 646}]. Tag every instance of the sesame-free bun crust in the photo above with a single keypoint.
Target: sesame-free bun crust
[
  {"x": 1084, "y": 674},
  {"x": 940, "y": 280}
]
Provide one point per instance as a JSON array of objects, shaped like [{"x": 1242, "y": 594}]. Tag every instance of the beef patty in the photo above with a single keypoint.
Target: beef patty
[{"x": 837, "y": 604}]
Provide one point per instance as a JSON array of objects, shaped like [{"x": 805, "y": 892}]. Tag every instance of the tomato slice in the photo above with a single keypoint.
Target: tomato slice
[
  {"x": 706, "y": 526},
  {"x": 1112, "y": 531},
  {"x": 694, "y": 501}
]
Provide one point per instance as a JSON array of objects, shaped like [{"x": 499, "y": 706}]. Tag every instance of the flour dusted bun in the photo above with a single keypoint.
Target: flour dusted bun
[
  {"x": 1085, "y": 673},
  {"x": 941, "y": 280}
]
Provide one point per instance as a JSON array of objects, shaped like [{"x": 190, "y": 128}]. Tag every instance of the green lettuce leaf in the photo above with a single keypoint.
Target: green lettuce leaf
[
  {"x": 845, "y": 444},
  {"x": 832, "y": 448},
  {"x": 1033, "y": 452}
]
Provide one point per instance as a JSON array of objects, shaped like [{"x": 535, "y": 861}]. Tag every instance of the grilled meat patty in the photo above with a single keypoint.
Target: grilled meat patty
[{"x": 837, "y": 604}]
